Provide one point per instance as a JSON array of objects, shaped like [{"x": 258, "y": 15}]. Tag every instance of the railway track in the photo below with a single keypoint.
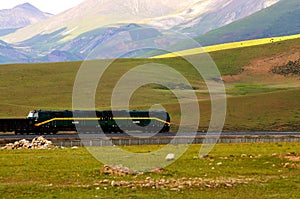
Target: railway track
[
  {"x": 146, "y": 135},
  {"x": 70, "y": 140}
]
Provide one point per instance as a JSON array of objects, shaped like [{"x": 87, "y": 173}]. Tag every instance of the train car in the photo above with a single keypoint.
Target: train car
[
  {"x": 17, "y": 125},
  {"x": 83, "y": 121}
]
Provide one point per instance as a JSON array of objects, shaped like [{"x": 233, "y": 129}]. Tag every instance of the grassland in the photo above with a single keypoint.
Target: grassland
[
  {"x": 74, "y": 173},
  {"x": 256, "y": 102}
]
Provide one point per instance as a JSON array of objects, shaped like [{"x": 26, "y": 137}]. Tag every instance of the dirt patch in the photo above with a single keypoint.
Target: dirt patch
[
  {"x": 263, "y": 66},
  {"x": 294, "y": 158}
]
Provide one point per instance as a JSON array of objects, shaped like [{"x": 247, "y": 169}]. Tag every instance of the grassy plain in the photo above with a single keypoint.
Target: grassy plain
[
  {"x": 256, "y": 102},
  {"x": 74, "y": 173}
]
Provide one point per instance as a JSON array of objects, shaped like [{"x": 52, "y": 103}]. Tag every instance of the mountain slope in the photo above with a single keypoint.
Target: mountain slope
[
  {"x": 191, "y": 16},
  {"x": 206, "y": 15},
  {"x": 93, "y": 14},
  {"x": 278, "y": 20},
  {"x": 11, "y": 54},
  {"x": 21, "y": 16}
]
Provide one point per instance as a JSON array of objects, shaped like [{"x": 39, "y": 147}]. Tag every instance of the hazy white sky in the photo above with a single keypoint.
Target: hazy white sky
[{"x": 51, "y": 6}]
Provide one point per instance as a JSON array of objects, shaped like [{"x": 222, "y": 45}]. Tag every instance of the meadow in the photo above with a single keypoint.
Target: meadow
[
  {"x": 255, "y": 102},
  {"x": 260, "y": 170},
  {"x": 26, "y": 87}
]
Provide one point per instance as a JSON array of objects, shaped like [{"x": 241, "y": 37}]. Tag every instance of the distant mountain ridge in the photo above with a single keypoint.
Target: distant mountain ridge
[{"x": 21, "y": 16}]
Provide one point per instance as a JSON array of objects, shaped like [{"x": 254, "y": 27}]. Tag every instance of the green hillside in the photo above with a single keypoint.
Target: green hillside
[
  {"x": 25, "y": 87},
  {"x": 278, "y": 20}
]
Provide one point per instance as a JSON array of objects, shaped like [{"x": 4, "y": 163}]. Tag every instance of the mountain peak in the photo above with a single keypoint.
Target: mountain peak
[
  {"x": 27, "y": 6},
  {"x": 20, "y": 16}
]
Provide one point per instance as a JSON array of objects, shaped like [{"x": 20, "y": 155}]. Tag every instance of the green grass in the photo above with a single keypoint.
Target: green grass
[
  {"x": 245, "y": 89},
  {"x": 26, "y": 87},
  {"x": 74, "y": 173}
]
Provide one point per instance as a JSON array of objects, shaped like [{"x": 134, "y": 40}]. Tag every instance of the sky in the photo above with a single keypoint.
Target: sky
[{"x": 50, "y": 6}]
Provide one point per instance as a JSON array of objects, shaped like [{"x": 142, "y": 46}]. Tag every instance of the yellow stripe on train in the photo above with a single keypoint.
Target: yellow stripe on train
[{"x": 115, "y": 118}]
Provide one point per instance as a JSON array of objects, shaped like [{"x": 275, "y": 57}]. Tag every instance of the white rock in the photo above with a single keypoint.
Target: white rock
[{"x": 170, "y": 156}]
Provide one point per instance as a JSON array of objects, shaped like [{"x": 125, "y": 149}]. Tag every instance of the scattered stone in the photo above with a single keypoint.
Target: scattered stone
[
  {"x": 292, "y": 156},
  {"x": 104, "y": 181},
  {"x": 291, "y": 165},
  {"x": 170, "y": 156},
  {"x": 203, "y": 156},
  {"x": 41, "y": 143},
  {"x": 247, "y": 156},
  {"x": 286, "y": 165},
  {"x": 157, "y": 170},
  {"x": 175, "y": 184},
  {"x": 8, "y": 146},
  {"x": 37, "y": 143},
  {"x": 117, "y": 170}
]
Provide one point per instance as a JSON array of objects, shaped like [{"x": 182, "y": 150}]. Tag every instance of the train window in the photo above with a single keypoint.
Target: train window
[{"x": 31, "y": 114}]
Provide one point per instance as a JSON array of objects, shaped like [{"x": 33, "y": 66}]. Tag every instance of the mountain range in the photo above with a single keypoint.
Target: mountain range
[{"x": 113, "y": 26}]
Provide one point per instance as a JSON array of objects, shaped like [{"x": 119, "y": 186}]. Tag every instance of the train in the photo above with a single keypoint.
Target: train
[{"x": 87, "y": 121}]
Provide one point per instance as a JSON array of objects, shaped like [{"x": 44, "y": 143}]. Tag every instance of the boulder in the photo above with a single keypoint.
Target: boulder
[{"x": 170, "y": 156}]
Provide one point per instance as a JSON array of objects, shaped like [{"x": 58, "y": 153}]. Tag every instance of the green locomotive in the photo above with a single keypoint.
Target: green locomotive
[{"x": 46, "y": 121}]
